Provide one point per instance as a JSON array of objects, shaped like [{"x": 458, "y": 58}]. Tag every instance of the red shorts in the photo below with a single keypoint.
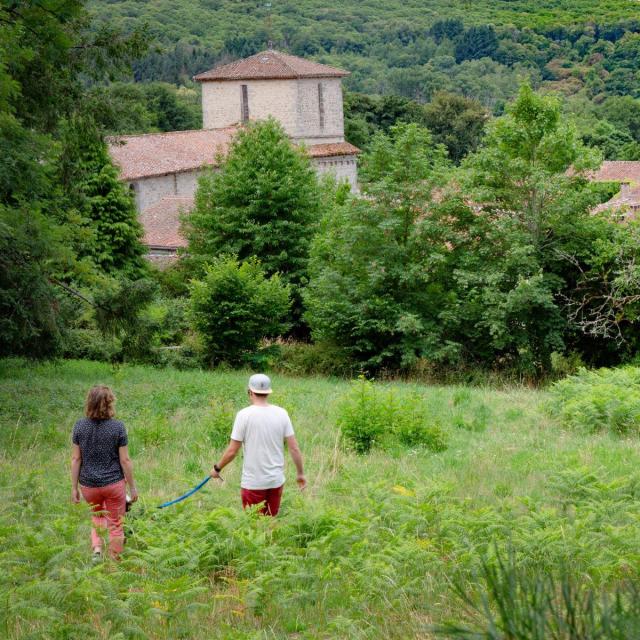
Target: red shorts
[{"x": 269, "y": 498}]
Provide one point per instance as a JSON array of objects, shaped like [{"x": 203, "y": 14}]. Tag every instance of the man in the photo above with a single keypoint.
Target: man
[{"x": 263, "y": 429}]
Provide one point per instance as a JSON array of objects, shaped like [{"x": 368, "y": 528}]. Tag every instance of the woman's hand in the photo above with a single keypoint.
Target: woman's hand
[{"x": 75, "y": 495}]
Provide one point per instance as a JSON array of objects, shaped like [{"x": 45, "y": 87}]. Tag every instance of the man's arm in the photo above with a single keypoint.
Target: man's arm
[
  {"x": 76, "y": 461},
  {"x": 230, "y": 453},
  {"x": 127, "y": 468},
  {"x": 296, "y": 456}
]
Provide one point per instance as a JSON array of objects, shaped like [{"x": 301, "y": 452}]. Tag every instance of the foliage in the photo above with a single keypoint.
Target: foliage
[
  {"x": 364, "y": 115},
  {"x": 367, "y": 288},
  {"x": 235, "y": 305},
  {"x": 456, "y": 122},
  {"x": 502, "y": 268},
  {"x": 531, "y": 214},
  {"x": 129, "y": 108},
  {"x": 519, "y": 603},
  {"x": 316, "y": 358},
  {"x": 599, "y": 400},
  {"x": 369, "y": 416},
  {"x": 584, "y": 47},
  {"x": 368, "y": 550},
  {"x": 93, "y": 188},
  {"x": 59, "y": 220},
  {"x": 30, "y": 315},
  {"x": 263, "y": 202}
]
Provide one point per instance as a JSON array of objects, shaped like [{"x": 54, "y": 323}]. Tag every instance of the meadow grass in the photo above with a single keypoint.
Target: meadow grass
[{"x": 369, "y": 550}]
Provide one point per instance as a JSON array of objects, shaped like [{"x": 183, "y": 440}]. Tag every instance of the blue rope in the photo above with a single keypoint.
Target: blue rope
[{"x": 186, "y": 495}]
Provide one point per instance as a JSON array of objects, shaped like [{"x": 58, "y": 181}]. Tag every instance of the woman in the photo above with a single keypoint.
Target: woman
[{"x": 100, "y": 463}]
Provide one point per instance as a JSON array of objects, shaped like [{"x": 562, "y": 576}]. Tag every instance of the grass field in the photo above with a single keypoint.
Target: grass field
[{"x": 368, "y": 551}]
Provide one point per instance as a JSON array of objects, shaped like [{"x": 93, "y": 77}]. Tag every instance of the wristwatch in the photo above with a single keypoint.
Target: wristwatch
[{"x": 216, "y": 468}]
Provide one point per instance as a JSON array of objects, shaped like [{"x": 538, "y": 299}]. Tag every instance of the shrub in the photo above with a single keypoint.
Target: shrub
[
  {"x": 371, "y": 416},
  {"x": 234, "y": 306},
  {"x": 604, "y": 399},
  {"x": 318, "y": 358},
  {"x": 90, "y": 344},
  {"x": 362, "y": 419}
]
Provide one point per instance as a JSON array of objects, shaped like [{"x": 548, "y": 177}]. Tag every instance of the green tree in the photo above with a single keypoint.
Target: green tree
[
  {"x": 47, "y": 53},
  {"x": 370, "y": 290},
  {"x": 533, "y": 214},
  {"x": 477, "y": 42},
  {"x": 264, "y": 202},
  {"x": 234, "y": 306},
  {"x": 456, "y": 122}
]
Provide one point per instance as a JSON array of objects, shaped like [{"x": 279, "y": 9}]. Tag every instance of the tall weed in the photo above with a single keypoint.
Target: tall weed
[{"x": 600, "y": 400}]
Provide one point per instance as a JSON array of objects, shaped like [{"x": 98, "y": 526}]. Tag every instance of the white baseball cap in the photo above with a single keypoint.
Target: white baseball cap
[{"x": 259, "y": 383}]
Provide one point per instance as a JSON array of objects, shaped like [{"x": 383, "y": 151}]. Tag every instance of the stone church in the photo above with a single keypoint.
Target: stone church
[{"x": 162, "y": 169}]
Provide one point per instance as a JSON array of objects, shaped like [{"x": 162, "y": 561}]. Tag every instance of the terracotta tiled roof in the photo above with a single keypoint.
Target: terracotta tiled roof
[
  {"x": 627, "y": 201},
  {"x": 161, "y": 222},
  {"x": 269, "y": 65},
  {"x": 618, "y": 171},
  {"x": 158, "y": 154},
  {"x": 332, "y": 149}
]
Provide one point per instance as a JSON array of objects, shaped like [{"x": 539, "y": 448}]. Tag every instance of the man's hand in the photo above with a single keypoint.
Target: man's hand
[
  {"x": 133, "y": 494},
  {"x": 302, "y": 481},
  {"x": 214, "y": 474},
  {"x": 75, "y": 495}
]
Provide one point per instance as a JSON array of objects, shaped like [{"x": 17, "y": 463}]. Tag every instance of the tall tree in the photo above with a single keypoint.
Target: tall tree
[
  {"x": 456, "y": 122},
  {"x": 47, "y": 51},
  {"x": 264, "y": 202},
  {"x": 371, "y": 289}
]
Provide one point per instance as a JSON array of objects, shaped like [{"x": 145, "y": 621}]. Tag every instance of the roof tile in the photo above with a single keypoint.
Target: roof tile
[
  {"x": 161, "y": 222},
  {"x": 618, "y": 171},
  {"x": 158, "y": 154},
  {"x": 270, "y": 65}
]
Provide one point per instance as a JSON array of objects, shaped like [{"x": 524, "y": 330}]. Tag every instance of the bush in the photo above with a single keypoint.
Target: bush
[
  {"x": 90, "y": 344},
  {"x": 370, "y": 416},
  {"x": 304, "y": 359},
  {"x": 362, "y": 419},
  {"x": 234, "y": 306},
  {"x": 600, "y": 400}
]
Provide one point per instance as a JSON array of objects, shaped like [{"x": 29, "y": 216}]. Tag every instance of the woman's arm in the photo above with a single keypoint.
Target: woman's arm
[
  {"x": 76, "y": 461},
  {"x": 127, "y": 468}
]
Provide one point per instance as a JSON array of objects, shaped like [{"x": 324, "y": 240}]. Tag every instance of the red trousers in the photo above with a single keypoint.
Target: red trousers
[
  {"x": 108, "y": 504},
  {"x": 268, "y": 498}
]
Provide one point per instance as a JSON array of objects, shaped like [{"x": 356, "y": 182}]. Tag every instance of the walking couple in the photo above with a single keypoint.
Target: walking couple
[{"x": 101, "y": 468}]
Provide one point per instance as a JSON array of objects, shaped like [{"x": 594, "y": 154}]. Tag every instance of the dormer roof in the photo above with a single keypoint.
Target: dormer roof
[{"x": 270, "y": 65}]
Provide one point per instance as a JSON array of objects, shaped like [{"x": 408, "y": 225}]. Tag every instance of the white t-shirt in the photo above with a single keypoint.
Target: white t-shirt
[{"x": 262, "y": 431}]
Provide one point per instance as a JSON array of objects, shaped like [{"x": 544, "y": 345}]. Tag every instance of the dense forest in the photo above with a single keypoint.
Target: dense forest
[
  {"x": 409, "y": 277},
  {"x": 418, "y": 51}
]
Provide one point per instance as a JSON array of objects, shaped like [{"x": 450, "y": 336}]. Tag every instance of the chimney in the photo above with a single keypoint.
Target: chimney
[{"x": 625, "y": 189}]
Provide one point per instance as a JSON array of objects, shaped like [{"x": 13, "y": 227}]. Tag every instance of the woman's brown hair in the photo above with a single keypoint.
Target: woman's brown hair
[{"x": 100, "y": 403}]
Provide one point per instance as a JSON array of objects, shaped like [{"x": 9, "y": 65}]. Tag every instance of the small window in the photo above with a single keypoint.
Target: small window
[
  {"x": 321, "y": 104},
  {"x": 245, "y": 103}
]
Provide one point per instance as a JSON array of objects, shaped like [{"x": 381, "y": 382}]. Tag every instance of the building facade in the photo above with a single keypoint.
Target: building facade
[{"x": 162, "y": 169}]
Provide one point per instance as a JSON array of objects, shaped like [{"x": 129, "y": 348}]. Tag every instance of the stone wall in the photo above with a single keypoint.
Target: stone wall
[
  {"x": 149, "y": 190},
  {"x": 342, "y": 167},
  {"x": 308, "y": 127},
  {"x": 294, "y": 103}
]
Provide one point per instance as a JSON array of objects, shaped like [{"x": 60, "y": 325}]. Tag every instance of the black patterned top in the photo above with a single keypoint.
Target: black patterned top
[{"x": 99, "y": 441}]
